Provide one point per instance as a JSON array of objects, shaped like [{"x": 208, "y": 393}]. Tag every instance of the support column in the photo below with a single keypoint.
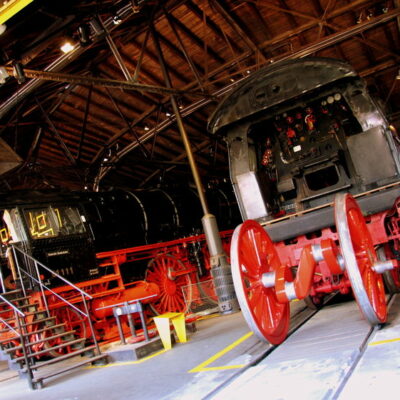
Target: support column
[{"x": 220, "y": 268}]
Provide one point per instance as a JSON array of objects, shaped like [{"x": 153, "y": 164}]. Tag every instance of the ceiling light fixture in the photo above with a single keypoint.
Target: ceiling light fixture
[
  {"x": 116, "y": 20},
  {"x": 67, "y": 47}
]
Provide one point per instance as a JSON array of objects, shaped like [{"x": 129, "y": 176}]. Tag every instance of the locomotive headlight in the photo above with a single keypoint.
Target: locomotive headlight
[
  {"x": 337, "y": 96},
  {"x": 296, "y": 148}
]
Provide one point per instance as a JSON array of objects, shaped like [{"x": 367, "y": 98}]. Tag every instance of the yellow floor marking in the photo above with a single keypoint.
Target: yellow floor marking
[
  {"x": 384, "y": 341},
  {"x": 222, "y": 368},
  {"x": 203, "y": 365},
  {"x": 208, "y": 316},
  {"x": 118, "y": 364}
]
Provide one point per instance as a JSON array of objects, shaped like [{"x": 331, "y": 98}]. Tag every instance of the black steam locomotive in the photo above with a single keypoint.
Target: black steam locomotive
[{"x": 65, "y": 230}]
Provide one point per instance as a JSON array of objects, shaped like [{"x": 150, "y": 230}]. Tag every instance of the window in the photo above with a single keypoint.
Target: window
[{"x": 49, "y": 222}]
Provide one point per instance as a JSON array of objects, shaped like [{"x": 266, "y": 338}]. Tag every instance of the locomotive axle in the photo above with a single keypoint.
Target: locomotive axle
[{"x": 310, "y": 257}]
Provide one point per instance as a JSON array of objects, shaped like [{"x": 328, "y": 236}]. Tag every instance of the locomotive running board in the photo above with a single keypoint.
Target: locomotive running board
[{"x": 320, "y": 217}]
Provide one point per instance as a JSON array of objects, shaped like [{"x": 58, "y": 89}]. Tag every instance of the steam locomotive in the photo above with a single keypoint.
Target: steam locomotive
[
  {"x": 65, "y": 231},
  {"x": 304, "y": 135}
]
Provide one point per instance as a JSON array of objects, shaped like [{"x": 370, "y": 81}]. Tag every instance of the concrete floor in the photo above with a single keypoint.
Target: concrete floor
[
  {"x": 165, "y": 375},
  {"x": 212, "y": 364}
]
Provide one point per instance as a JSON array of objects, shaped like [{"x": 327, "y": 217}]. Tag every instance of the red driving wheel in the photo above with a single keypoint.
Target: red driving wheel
[
  {"x": 253, "y": 254},
  {"x": 168, "y": 272},
  {"x": 359, "y": 257}
]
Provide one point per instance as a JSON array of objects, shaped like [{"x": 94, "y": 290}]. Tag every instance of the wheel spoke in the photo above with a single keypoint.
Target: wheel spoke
[
  {"x": 250, "y": 258},
  {"x": 359, "y": 257},
  {"x": 171, "y": 296},
  {"x": 252, "y": 254}
]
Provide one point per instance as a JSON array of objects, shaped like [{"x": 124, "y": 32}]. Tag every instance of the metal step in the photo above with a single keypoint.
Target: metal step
[
  {"x": 7, "y": 320},
  {"x": 3, "y": 303},
  {"x": 8, "y": 339},
  {"x": 28, "y": 314},
  {"x": 33, "y": 305},
  {"x": 60, "y": 346},
  {"x": 47, "y": 328},
  {"x": 16, "y": 348},
  {"x": 4, "y": 294},
  {"x": 20, "y": 307},
  {"x": 60, "y": 358},
  {"x": 37, "y": 321},
  {"x": 6, "y": 311}
]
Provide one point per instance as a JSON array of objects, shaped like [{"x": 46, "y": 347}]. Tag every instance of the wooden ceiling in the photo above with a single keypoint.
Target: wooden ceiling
[{"x": 101, "y": 116}]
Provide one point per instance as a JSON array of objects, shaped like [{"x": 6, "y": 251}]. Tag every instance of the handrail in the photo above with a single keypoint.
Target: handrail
[
  {"x": 52, "y": 272},
  {"x": 85, "y": 296},
  {"x": 18, "y": 332},
  {"x": 9, "y": 327},
  {"x": 127, "y": 302},
  {"x": 16, "y": 309},
  {"x": 56, "y": 294},
  {"x": 3, "y": 288}
]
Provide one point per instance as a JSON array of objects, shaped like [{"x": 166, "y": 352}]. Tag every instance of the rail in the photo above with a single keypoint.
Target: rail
[{"x": 44, "y": 288}]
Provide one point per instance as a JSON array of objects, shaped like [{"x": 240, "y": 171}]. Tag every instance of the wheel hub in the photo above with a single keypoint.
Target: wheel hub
[{"x": 169, "y": 287}]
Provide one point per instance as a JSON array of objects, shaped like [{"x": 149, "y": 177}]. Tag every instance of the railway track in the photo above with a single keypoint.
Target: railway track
[{"x": 322, "y": 357}]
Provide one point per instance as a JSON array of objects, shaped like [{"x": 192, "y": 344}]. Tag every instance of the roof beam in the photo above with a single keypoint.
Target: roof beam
[
  {"x": 222, "y": 8},
  {"x": 195, "y": 9},
  {"x": 195, "y": 68},
  {"x": 261, "y": 22},
  {"x": 111, "y": 83},
  {"x": 195, "y": 39},
  {"x": 341, "y": 36},
  {"x": 84, "y": 122},
  {"x": 311, "y": 24}
]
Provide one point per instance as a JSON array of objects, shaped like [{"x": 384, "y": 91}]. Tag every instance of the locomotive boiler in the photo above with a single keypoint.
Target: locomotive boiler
[{"x": 304, "y": 135}]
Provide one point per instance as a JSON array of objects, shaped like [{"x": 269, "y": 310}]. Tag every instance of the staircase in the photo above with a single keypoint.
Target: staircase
[{"x": 33, "y": 342}]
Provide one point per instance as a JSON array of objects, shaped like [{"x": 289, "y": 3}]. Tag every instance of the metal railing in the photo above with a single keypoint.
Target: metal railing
[
  {"x": 29, "y": 260},
  {"x": 18, "y": 315},
  {"x": 128, "y": 308}
]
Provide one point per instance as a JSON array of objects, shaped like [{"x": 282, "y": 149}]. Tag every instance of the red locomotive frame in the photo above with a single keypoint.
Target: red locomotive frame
[{"x": 169, "y": 269}]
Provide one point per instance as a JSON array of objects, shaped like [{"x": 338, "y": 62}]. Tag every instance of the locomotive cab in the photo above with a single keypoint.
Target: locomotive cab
[
  {"x": 53, "y": 232},
  {"x": 299, "y": 132}
]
